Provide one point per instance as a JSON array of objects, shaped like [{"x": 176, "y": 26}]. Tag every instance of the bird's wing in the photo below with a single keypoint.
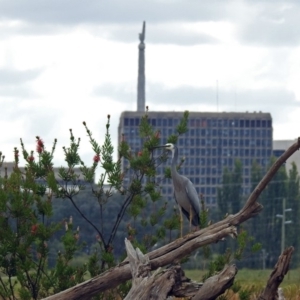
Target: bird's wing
[{"x": 193, "y": 197}]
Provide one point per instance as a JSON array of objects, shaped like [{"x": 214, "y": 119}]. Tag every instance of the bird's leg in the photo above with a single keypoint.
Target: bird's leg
[
  {"x": 181, "y": 221},
  {"x": 190, "y": 218},
  {"x": 181, "y": 224}
]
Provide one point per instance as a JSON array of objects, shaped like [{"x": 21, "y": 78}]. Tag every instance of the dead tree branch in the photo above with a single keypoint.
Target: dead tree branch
[
  {"x": 181, "y": 247},
  {"x": 277, "y": 275},
  {"x": 160, "y": 284},
  {"x": 217, "y": 284}
]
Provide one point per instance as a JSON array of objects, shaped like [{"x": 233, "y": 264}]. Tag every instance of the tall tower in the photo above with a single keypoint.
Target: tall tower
[{"x": 141, "y": 72}]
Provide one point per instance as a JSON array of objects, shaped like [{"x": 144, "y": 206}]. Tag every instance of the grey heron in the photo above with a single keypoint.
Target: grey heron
[{"x": 184, "y": 191}]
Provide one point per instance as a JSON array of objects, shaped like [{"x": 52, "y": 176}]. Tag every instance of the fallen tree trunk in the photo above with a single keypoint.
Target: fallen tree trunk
[
  {"x": 181, "y": 247},
  {"x": 277, "y": 275}
]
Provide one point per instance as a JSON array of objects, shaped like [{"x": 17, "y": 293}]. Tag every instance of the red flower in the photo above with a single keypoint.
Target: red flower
[
  {"x": 140, "y": 153},
  {"x": 40, "y": 142},
  {"x": 96, "y": 158},
  {"x": 39, "y": 145},
  {"x": 34, "y": 229},
  {"x": 30, "y": 158},
  {"x": 157, "y": 134}
]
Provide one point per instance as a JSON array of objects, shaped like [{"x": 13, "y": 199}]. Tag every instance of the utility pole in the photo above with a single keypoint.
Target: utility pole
[{"x": 284, "y": 222}]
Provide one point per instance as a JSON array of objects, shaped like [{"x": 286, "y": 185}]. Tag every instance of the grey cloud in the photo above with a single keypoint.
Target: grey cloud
[
  {"x": 266, "y": 22},
  {"x": 278, "y": 101},
  {"x": 163, "y": 33},
  {"x": 13, "y": 83},
  {"x": 14, "y": 77},
  {"x": 114, "y": 11},
  {"x": 271, "y": 25},
  {"x": 246, "y": 99}
]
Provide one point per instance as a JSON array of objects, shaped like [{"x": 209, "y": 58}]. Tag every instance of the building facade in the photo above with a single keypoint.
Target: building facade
[
  {"x": 279, "y": 147},
  {"x": 214, "y": 141}
]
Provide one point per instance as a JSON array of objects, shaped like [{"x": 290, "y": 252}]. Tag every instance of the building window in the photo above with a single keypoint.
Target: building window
[
  {"x": 126, "y": 122},
  {"x": 258, "y": 133}
]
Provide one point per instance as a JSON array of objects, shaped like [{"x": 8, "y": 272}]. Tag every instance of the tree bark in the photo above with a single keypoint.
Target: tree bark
[
  {"x": 217, "y": 284},
  {"x": 160, "y": 284},
  {"x": 277, "y": 275},
  {"x": 181, "y": 247}
]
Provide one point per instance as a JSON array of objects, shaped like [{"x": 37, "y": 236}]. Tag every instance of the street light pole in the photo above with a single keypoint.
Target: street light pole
[{"x": 283, "y": 223}]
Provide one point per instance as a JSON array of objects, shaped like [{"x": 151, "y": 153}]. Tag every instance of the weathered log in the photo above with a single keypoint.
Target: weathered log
[
  {"x": 181, "y": 247},
  {"x": 158, "y": 285},
  {"x": 217, "y": 284},
  {"x": 277, "y": 275}
]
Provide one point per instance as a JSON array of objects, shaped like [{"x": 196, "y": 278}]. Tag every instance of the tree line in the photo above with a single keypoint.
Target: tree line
[{"x": 266, "y": 228}]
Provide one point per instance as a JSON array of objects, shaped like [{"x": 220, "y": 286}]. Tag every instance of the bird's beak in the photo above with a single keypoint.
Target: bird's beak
[{"x": 163, "y": 146}]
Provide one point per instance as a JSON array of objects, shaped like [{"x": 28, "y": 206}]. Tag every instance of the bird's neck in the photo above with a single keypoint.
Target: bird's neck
[{"x": 174, "y": 160}]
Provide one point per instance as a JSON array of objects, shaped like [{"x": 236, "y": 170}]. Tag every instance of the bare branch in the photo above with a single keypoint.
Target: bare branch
[
  {"x": 217, "y": 284},
  {"x": 277, "y": 275}
]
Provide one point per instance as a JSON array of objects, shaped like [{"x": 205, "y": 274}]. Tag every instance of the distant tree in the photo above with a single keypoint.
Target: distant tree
[
  {"x": 229, "y": 197},
  {"x": 272, "y": 199},
  {"x": 293, "y": 202},
  {"x": 230, "y": 194}
]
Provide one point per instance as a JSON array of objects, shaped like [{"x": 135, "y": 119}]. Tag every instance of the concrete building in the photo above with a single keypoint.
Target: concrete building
[
  {"x": 280, "y": 146},
  {"x": 214, "y": 141}
]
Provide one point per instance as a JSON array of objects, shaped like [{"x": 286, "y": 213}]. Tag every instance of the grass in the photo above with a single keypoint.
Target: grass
[{"x": 255, "y": 281}]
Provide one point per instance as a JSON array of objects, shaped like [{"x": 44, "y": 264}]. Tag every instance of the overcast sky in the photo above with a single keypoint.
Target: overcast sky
[{"x": 67, "y": 61}]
